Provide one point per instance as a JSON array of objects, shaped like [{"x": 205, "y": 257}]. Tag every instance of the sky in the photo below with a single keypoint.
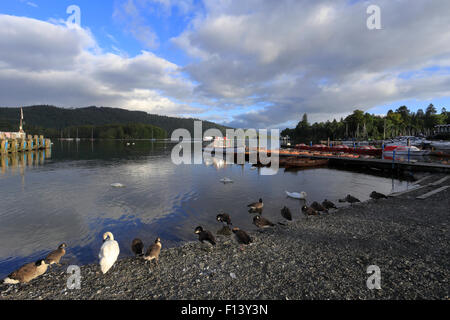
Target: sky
[{"x": 246, "y": 64}]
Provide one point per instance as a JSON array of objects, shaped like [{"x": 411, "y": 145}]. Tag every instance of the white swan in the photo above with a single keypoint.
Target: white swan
[
  {"x": 301, "y": 196},
  {"x": 108, "y": 252}
]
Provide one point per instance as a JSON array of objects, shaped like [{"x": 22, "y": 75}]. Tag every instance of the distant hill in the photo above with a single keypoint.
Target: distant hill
[{"x": 57, "y": 119}]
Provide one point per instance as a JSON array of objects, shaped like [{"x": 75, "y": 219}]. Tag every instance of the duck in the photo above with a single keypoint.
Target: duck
[
  {"x": 137, "y": 246},
  {"x": 108, "y": 252},
  {"x": 295, "y": 195},
  {"x": 261, "y": 222},
  {"x": 256, "y": 205},
  {"x": 286, "y": 213},
  {"x": 309, "y": 211},
  {"x": 224, "y": 218},
  {"x": 204, "y": 235},
  {"x": 153, "y": 251},
  {"x": 376, "y": 195},
  {"x": 351, "y": 199},
  {"x": 27, "y": 272},
  {"x": 318, "y": 207},
  {"x": 241, "y": 236},
  {"x": 55, "y": 256},
  {"x": 328, "y": 204}
]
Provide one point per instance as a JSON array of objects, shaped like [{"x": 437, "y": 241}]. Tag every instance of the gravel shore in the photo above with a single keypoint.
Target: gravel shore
[{"x": 323, "y": 257}]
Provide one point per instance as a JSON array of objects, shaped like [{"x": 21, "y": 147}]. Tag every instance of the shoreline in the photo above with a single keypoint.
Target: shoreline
[{"x": 323, "y": 257}]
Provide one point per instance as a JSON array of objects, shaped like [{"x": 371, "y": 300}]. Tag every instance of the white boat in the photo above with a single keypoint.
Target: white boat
[
  {"x": 223, "y": 145},
  {"x": 404, "y": 151},
  {"x": 440, "y": 145}
]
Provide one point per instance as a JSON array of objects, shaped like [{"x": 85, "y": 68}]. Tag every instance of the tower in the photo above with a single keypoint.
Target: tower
[{"x": 21, "y": 121}]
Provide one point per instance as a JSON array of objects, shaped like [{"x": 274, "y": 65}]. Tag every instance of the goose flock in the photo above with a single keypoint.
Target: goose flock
[{"x": 109, "y": 251}]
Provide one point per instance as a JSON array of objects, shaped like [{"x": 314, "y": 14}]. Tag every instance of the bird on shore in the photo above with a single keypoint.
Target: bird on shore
[
  {"x": 153, "y": 251},
  {"x": 27, "y": 272},
  {"x": 318, "y": 207},
  {"x": 295, "y": 195},
  {"x": 55, "y": 256},
  {"x": 241, "y": 236},
  {"x": 328, "y": 204},
  {"x": 309, "y": 211},
  {"x": 224, "y": 218},
  {"x": 137, "y": 246},
  {"x": 286, "y": 213},
  {"x": 376, "y": 195},
  {"x": 256, "y": 205},
  {"x": 108, "y": 252},
  {"x": 350, "y": 199},
  {"x": 204, "y": 235},
  {"x": 262, "y": 223}
]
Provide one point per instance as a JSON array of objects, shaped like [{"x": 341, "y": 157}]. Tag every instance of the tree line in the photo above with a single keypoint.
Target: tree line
[
  {"x": 365, "y": 126},
  {"x": 109, "y": 131},
  {"x": 50, "y": 117}
]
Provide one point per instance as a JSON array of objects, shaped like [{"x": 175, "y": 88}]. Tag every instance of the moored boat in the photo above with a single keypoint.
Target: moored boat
[{"x": 404, "y": 151}]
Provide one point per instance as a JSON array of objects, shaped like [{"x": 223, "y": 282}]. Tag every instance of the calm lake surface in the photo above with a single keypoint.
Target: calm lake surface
[{"x": 66, "y": 196}]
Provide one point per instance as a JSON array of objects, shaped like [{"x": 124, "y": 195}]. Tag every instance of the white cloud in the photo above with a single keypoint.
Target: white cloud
[
  {"x": 315, "y": 56},
  {"x": 285, "y": 57},
  {"x": 52, "y": 64}
]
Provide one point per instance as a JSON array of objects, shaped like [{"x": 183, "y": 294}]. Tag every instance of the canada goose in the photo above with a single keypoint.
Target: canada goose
[
  {"x": 137, "y": 246},
  {"x": 257, "y": 205},
  {"x": 309, "y": 211},
  {"x": 224, "y": 218},
  {"x": 318, "y": 207},
  {"x": 55, "y": 256},
  {"x": 204, "y": 235},
  {"x": 286, "y": 213},
  {"x": 27, "y": 272},
  {"x": 262, "y": 223},
  {"x": 108, "y": 252},
  {"x": 376, "y": 195},
  {"x": 328, "y": 204},
  {"x": 295, "y": 195},
  {"x": 153, "y": 251},
  {"x": 241, "y": 236}
]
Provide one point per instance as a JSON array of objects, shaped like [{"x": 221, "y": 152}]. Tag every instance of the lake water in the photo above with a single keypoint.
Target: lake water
[{"x": 66, "y": 196}]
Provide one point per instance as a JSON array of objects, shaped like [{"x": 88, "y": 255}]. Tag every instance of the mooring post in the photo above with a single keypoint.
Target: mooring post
[{"x": 393, "y": 160}]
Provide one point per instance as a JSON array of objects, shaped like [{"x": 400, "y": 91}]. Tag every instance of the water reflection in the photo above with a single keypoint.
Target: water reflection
[
  {"x": 19, "y": 161},
  {"x": 68, "y": 197}
]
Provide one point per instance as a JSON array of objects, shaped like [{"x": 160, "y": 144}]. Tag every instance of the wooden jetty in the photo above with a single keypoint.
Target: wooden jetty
[{"x": 29, "y": 143}]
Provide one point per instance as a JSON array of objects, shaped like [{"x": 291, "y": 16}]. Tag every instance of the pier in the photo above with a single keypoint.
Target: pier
[
  {"x": 23, "y": 144},
  {"x": 399, "y": 165}
]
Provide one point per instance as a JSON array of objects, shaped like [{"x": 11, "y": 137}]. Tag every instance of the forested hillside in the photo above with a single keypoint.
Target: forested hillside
[{"x": 50, "y": 120}]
